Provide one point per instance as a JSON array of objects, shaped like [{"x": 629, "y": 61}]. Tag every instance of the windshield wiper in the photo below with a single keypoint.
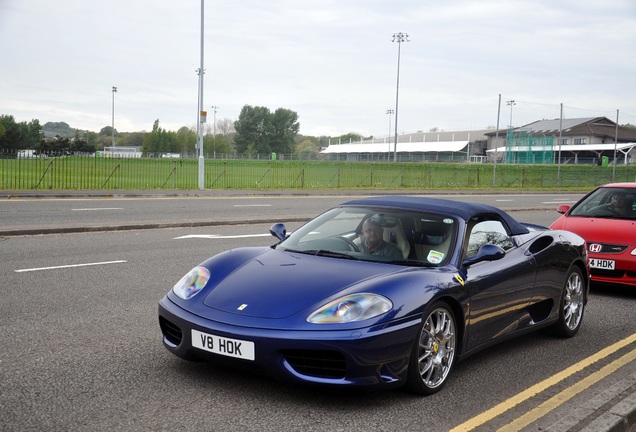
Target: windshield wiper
[
  {"x": 333, "y": 254},
  {"x": 409, "y": 262},
  {"x": 324, "y": 252}
]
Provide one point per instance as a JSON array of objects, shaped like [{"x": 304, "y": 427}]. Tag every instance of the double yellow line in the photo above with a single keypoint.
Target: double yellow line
[{"x": 558, "y": 399}]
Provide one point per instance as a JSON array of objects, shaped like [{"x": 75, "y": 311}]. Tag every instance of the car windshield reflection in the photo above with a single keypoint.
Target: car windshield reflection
[
  {"x": 405, "y": 238},
  {"x": 610, "y": 202}
]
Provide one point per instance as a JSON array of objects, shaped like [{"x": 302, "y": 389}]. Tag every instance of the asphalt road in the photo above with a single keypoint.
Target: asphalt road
[
  {"x": 82, "y": 347},
  {"x": 73, "y": 211}
]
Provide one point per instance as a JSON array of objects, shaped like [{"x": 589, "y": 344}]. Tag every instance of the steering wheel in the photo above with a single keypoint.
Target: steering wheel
[
  {"x": 603, "y": 210},
  {"x": 351, "y": 244}
]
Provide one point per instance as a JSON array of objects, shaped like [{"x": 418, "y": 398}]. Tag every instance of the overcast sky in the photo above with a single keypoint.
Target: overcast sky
[{"x": 331, "y": 61}]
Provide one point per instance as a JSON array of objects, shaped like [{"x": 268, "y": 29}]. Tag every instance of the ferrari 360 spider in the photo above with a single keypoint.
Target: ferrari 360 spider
[{"x": 383, "y": 291}]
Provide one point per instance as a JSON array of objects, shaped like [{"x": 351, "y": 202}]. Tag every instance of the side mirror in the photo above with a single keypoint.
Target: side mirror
[
  {"x": 487, "y": 252},
  {"x": 279, "y": 231},
  {"x": 563, "y": 208}
]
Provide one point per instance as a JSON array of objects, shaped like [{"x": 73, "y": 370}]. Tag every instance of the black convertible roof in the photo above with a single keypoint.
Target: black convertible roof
[{"x": 460, "y": 209}]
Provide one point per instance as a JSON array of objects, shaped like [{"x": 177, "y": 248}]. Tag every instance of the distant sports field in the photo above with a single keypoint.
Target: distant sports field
[{"x": 91, "y": 173}]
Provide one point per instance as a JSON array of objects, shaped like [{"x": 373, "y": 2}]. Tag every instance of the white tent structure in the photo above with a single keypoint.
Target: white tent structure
[{"x": 405, "y": 150}]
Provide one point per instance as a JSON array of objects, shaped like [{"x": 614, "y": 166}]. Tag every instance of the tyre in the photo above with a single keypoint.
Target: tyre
[
  {"x": 571, "y": 306},
  {"x": 433, "y": 352}
]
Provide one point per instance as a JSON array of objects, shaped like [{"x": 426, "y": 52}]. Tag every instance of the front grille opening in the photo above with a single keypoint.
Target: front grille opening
[
  {"x": 317, "y": 363},
  {"x": 607, "y": 248},
  {"x": 617, "y": 274},
  {"x": 170, "y": 331}
]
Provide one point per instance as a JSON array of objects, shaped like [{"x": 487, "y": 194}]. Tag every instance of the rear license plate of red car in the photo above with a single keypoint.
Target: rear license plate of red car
[
  {"x": 223, "y": 346},
  {"x": 602, "y": 264}
]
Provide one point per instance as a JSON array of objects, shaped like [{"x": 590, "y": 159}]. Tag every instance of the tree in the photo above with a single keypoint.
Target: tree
[
  {"x": 186, "y": 140},
  {"x": 222, "y": 145},
  {"x": 253, "y": 130},
  {"x": 260, "y": 131},
  {"x": 81, "y": 146},
  {"x": 19, "y": 136},
  {"x": 107, "y": 131},
  {"x": 58, "y": 129},
  {"x": 225, "y": 127},
  {"x": 309, "y": 146},
  {"x": 350, "y": 137},
  {"x": 131, "y": 139},
  {"x": 160, "y": 141},
  {"x": 81, "y": 142},
  {"x": 286, "y": 126},
  {"x": 55, "y": 147}
]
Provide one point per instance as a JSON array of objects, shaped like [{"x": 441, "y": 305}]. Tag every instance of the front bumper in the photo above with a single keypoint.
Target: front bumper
[
  {"x": 376, "y": 356},
  {"x": 623, "y": 274}
]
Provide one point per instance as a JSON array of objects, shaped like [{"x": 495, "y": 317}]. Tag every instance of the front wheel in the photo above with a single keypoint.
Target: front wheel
[
  {"x": 572, "y": 305},
  {"x": 433, "y": 353}
]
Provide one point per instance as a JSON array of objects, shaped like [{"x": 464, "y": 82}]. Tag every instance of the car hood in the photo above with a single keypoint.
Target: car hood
[
  {"x": 599, "y": 230},
  {"x": 278, "y": 284}
]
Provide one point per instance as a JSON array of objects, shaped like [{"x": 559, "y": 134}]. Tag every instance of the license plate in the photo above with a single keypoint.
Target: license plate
[
  {"x": 602, "y": 264},
  {"x": 223, "y": 346}
]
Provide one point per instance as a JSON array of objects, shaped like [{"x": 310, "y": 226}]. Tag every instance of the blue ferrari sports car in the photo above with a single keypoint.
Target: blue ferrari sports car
[{"x": 384, "y": 291}]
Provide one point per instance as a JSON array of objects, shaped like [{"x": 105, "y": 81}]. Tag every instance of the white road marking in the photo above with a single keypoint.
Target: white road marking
[
  {"x": 214, "y": 236},
  {"x": 252, "y": 205},
  {"x": 97, "y": 208},
  {"x": 70, "y": 266}
]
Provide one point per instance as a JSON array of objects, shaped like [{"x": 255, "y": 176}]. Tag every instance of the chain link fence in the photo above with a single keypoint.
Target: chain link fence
[{"x": 91, "y": 172}]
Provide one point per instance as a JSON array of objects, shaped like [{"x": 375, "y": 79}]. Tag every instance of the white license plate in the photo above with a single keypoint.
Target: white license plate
[
  {"x": 602, "y": 264},
  {"x": 223, "y": 346}
]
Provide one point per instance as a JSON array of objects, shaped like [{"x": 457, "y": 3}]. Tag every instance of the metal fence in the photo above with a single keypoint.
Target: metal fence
[{"x": 87, "y": 172}]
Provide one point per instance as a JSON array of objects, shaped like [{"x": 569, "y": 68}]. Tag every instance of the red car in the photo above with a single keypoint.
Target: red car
[{"x": 606, "y": 219}]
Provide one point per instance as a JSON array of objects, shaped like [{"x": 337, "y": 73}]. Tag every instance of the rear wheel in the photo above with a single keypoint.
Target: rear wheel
[
  {"x": 433, "y": 353},
  {"x": 572, "y": 305}
]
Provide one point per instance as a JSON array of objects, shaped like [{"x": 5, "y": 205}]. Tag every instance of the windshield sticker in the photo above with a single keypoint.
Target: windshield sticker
[{"x": 435, "y": 257}]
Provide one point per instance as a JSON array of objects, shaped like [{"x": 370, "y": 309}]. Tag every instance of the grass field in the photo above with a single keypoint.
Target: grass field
[{"x": 90, "y": 173}]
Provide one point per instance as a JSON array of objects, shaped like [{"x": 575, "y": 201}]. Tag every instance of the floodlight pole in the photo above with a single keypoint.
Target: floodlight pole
[
  {"x": 201, "y": 117},
  {"x": 399, "y": 38},
  {"x": 494, "y": 167},
  {"x": 113, "y": 124},
  {"x": 615, "y": 148},
  {"x": 390, "y": 112},
  {"x": 560, "y": 142},
  {"x": 510, "y": 103}
]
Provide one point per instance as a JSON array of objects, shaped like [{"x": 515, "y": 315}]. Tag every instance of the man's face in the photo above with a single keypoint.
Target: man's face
[
  {"x": 618, "y": 200},
  {"x": 372, "y": 232}
]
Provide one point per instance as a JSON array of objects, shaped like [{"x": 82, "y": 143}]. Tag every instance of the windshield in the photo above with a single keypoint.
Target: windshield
[
  {"x": 613, "y": 203},
  {"x": 374, "y": 234}
]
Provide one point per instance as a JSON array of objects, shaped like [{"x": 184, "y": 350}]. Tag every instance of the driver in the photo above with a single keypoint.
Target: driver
[
  {"x": 373, "y": 242},
  {"x": 618, "y": 204}
]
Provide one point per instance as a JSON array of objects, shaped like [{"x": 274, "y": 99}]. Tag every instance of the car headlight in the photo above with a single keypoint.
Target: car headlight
[
  {"x": 192, "y": 282},
  {"x": 351, "y": 308}
]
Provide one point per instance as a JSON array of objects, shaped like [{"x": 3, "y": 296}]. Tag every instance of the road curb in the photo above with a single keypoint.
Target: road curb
[
  {"x": 613, "y": 410},
  {"x": 60, "y": 194}
]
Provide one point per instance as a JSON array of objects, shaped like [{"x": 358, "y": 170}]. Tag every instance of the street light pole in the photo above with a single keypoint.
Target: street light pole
[
  {"x": 399, "y": 38},
  {"x": 509, "y": 138},
  {"x": 113, "y": 125},
  {"x": 201, "y": 114},
  {"x": 214, "y": 107}
]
